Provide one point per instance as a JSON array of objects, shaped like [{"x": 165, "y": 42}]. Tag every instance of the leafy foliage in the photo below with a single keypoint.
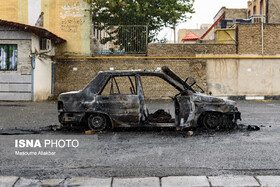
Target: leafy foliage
[{"x": 156, "y": 14}]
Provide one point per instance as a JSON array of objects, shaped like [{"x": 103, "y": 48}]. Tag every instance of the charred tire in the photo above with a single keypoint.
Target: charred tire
[
  {"x": 212, "y": 121},
  {"x": 97, "y": 122}
]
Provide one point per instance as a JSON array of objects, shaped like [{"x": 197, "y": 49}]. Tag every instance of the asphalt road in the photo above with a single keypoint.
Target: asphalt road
[{"x": 141, "y": 152}]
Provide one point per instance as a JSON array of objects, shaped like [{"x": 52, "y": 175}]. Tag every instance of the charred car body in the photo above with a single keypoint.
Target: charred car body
[{"x": 102, "y": 104}]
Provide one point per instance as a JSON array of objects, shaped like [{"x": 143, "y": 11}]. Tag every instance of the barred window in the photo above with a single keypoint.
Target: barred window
[{"x": 8, "y": 57}]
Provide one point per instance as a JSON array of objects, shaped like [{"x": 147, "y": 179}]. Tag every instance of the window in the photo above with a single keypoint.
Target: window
[
  {"x": 160, "y": 87},
  {"x": 8, "y": 57},
  {"x": 120, "y": 85},
  {"x": 261, "y": 7},
  {"x": 254, "y": 10}
]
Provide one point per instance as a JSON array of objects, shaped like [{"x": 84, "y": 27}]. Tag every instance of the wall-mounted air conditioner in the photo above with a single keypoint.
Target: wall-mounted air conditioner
[{"x": 45, "y": 44}]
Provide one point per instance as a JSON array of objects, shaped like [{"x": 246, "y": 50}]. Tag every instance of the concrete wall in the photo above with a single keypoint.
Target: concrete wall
[
  {"x": 42, "y": 79},
  {"x": 239, "y": 77},
  {"x": 76, "y": 74},
  {"x": 189, "y": 50},
  {"x": 42, "y": 75}
]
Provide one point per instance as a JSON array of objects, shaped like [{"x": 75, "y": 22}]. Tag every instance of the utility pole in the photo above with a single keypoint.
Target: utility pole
[{"x": 174, "y": 29}]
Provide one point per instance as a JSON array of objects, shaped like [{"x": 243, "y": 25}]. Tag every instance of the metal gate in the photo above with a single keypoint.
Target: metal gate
[{"x": 124, "y": 39}]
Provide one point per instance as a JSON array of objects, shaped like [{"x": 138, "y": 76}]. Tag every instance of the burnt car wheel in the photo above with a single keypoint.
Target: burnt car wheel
[
  {"x": 212, "y": 121},
  {"x": 97, "y": 122}
]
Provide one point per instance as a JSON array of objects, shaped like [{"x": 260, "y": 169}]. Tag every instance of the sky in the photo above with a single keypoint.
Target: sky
[{"x": 205, "y": 10}]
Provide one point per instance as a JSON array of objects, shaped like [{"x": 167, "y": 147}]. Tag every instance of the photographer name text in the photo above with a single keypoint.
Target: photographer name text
[{"x": 46, "y": 143}]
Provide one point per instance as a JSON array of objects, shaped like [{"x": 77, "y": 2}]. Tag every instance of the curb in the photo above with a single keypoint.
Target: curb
[
  {"x": 250, "y": 98},
  {"x": 170, "y": 181}
]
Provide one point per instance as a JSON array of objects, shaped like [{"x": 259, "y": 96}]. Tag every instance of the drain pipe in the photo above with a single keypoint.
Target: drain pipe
[
  {"x": 262, "y": 40},
  {"x": 33, "y": 67},
  {"x": 52, "y": 79}
]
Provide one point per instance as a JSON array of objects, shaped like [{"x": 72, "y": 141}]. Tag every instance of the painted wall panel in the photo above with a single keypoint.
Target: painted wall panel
[
  {"x": 15, "y": 78},
  {"x": 250, "y": 77},
  {"x": 15, "y": 88},
  {"x": 15, "y": 96}
]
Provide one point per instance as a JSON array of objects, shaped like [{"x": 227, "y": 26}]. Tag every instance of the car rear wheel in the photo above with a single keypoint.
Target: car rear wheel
[{"x": 97, "y": 122}]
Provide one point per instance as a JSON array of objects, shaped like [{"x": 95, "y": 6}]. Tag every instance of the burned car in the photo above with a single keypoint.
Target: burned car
[{"x": 108, "y": 103}]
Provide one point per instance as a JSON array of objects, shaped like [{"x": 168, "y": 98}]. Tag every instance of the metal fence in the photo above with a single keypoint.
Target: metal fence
[{"x": 124, "y": 39}]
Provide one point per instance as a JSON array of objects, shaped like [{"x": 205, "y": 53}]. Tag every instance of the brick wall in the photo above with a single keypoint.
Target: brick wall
[
  {"x": 273, "y": 11},
  {"x": 250, "y": 39},
  {"x": 189, "y": 50},
  {"x": 235, "y": 13},
  {"x": 68, "y": 80}
]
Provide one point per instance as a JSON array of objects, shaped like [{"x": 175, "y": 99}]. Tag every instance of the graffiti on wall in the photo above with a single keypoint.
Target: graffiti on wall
[
  {"x": 70, "y": 25},
  {"x": 71, "y": 14},
  {"x": 73, "y": 10}
]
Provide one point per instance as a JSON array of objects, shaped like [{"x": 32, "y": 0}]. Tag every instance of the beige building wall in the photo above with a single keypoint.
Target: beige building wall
[
  {"x": 69, "y": 19},
  {"x": 239, "y": 77},
  {"x": 14, "y": 10}
]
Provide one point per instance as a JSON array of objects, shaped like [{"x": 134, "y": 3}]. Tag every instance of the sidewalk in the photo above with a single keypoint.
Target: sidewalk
[{"x": 171, "y": 181}]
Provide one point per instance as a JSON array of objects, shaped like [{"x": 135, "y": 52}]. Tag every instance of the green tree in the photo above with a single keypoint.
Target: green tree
[{"x": 156, "y": 14}]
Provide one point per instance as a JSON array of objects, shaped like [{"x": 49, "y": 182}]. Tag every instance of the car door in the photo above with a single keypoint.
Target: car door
[{"x": 120, "y": 99}]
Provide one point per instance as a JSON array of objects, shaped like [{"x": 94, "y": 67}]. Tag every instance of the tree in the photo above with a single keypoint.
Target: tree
[{"x": 156, "y": 14}]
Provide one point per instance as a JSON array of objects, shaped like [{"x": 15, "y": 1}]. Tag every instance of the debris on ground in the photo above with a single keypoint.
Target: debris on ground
[
  {"x": 90, "y": 132},
  {"x": 253, "y": 128},
  {"x": 17, "y": 132},
  {"x": 190, "y": 133},
  {"x": 160, "y": 116},
  {"x": 51, "y": 128}
]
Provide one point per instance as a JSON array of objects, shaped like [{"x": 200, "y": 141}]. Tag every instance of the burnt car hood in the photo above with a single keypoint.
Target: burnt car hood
[
  {"x": 66, "y": 96},
  {"x": 213, "y": 103},
  {"x": 71, "y": 100}
]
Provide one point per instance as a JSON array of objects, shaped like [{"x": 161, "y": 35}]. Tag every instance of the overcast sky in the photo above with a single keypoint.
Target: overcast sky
[{"x": 205, "y": 10}]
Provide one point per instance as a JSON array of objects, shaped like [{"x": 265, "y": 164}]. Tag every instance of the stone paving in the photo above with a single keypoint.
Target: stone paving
[{"x": 170, "y": 181}]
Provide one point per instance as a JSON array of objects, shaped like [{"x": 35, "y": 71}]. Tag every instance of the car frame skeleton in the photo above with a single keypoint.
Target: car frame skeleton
[{"x": 98, "y": 111}]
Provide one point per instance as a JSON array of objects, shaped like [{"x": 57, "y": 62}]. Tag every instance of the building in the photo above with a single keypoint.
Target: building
[
  {"x": 266, "y": 11},
  {"x": 66, "y": 18},
  {"x": 257, "y": 8},
  {"x": 190, "y": 37},
  {"x": 26, "y": 61},
  {"x": 227, "y": 17},
  {"x": 199, "y": 32}
]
